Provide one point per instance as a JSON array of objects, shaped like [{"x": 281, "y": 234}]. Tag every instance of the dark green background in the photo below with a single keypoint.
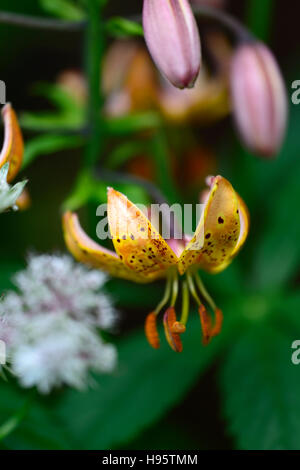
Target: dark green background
[{"x": 241, "y": 392}]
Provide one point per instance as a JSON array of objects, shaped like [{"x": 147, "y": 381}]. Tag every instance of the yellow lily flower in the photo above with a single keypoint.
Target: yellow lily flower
[
  {"x": 142, "y": 255},
  {"x": 13, "y": 147}
]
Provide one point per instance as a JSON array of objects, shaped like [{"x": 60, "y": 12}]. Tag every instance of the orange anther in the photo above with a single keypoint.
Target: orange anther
[
  {"x": 218, "y": 322},
  {"x": 151, "y": 331},
  {"x": 178, "y": 328},
  {"x": 172, "y": 337},
  {"x": 205, "y": 324}
]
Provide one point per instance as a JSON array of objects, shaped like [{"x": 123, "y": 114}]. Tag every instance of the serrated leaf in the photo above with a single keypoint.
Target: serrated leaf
[{"x": 261, "y": 390}]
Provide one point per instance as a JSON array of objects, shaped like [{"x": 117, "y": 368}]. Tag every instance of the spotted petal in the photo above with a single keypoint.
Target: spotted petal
[
  {"x": 245, "y": 223},
  {"x": 138, "y": 243},
  {"x": 13, "y": 147},
  {"x": 218, "y": 231},
  {"x": 87, "y": 251}
]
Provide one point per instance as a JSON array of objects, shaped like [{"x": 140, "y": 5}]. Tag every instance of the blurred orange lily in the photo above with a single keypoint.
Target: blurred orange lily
[
  {"x": 11, "y": 155},
  {"x": 131, "y": 83},
  {"x": 143, "y": 256},
  {"x": 13, "y": 147}
]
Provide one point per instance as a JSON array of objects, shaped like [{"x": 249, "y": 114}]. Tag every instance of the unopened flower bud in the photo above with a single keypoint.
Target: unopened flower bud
[
  {"x": 259, "y": 99},
  {"x": 172, "y": 37}
]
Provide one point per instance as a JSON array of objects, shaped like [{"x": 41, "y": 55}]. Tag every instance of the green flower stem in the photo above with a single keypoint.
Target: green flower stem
[
  {"x": 205, "y": 293},
  {"x": 95, "y": 35},
  {"x": 166, "y": 296},
  {"x": 259, "y": 18},
  {"x": 185, "y": 303},
  {"x": 175, "y": 285},
  {"x": 162, "y": 160},
  {"x": 95, "y": 46}
]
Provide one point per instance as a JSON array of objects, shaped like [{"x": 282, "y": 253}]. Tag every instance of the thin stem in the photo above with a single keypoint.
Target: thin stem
[
  {"x": 163, "y": 167},
  {"x": 185, "y": 303},
  {"x": 230, "y": 23},
  {"x": 95, "y": 50},
  {"x": 204, "y": 292},
  {"x": 166, "y": 296},
  {"x": 192, "y": 288},
  {"x": 174, "y": 289},
  {"x": 41, "y": 23}
]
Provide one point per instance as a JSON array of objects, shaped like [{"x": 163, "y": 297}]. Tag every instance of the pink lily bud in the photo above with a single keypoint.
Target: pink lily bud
[
  {"x": 259, "y": 99},
  {"x": 172, "y": 37}
]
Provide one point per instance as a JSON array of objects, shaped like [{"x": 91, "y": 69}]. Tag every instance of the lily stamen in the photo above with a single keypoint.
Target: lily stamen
[
  {"x": 205, "y": 318},
  {"x": 216, "y": 329},
  {"x": 166, "y": 296},
  {"x": 151, "y": 319},
  {"x": 174, "y": 289},
  {"x": 192, "y": 288},
  {"x": 204, "y": 292},
  {"x": 185, "y": 303},
  {"x": 173, "y": 337}
]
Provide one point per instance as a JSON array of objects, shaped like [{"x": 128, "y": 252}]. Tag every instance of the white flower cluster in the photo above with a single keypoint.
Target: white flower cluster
[
  {"x": 9, "y": 194},
  {"x": 50, "y": 326}
]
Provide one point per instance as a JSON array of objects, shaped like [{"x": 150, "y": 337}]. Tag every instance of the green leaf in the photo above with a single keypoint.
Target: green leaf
[
  {"x": 277, "y": 255},
  {"x": 261, "y": 390},
  {"x": 86, "y": 189},
  {"x": 70, "y": 114},
  {"x": 121, "y": 27},
  {"x": 64, "y": 9},
  {"x": 38, "y": 430},
  {"x": 59, "y": 96},
  {"x": 124, "y": 152},
  {"x": 47, "y": 144},
  {"x": 133, "y": 123},
  {"x": 148, "y": 383}
]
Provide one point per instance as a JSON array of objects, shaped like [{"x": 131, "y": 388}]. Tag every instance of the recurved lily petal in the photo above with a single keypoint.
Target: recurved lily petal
[
  {"x": 87, "y": 251},
  {"x": 244, "y": 225},
  {"x": 218, "y": 231},
  {"x": 137, "y": 242},
  {"x": 244, "y": 230},
  {"x": 172, "y": 37},
  {"x": 13, "y": 147}
]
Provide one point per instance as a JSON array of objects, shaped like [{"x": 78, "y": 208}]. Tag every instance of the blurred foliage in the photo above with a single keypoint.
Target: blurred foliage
[
  {"x": 259, "y": 293},
  {"x": 63, "y": 9}
]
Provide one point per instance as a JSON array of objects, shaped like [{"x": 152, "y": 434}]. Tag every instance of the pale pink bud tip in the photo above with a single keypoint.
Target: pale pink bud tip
[
  {"x": 259, "y": 99},
  {"x": 172, "y": 37}
]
